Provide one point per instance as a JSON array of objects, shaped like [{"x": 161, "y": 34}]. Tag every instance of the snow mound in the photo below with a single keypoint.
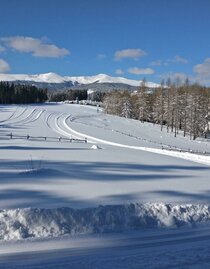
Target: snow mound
[
  {"x": 33, "y": 222},
  {"x": 95, "y": 147}
]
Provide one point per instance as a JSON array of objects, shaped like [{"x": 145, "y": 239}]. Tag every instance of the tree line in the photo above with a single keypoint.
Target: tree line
[
  {"x": 174, "y": 106},
  {"x": 69, "y": 95},
  {"x": 11, "y": 93}
]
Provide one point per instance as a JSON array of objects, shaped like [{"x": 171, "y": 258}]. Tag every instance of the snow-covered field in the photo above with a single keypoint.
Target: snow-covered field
[{"x": 120, "y": 180}]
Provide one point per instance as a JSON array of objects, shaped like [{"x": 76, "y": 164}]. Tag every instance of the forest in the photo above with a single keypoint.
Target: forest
[
  {"x": 69, "y": 95},
  {"x": 176, "y": 107},
  {"x": 21, "y": 94}
]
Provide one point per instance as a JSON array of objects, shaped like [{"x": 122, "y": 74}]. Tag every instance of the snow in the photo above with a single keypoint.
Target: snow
[
  {"x": 55, "y": 78},
  {"x": 187, "y": 156},
  {"x": 95, "y": 147},
  {"x": 69, "y": 191},
  {"x": 103, "y": 78},
  {"x": 148, "y": 248},
  {"x": 48, "y": 77},
  {"x": 36, "y": 223},
  {"x": 64, "y": 174}
]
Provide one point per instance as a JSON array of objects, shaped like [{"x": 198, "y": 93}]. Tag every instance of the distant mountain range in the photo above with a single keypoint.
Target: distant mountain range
[{"x": 53, "y": 81}]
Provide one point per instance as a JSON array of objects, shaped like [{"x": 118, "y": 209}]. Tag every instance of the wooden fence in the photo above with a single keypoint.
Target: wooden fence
[
  {"x": 75, "y": 140},
  {"x": 42, "y": 138},
  {"x": 186, "y": 150}
]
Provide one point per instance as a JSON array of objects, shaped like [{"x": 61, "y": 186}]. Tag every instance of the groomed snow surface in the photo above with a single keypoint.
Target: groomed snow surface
[{"x": 121, "y": 180}]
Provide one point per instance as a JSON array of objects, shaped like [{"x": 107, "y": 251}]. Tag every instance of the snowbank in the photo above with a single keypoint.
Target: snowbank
[
  {"x": 34, "y": 223},
  {"x": 95, "y": 147}
]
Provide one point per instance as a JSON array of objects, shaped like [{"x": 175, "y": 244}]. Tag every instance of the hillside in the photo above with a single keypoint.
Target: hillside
[{"x": 79, "y": 186}]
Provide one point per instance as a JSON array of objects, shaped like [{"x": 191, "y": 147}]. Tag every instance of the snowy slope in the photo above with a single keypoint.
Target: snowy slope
[
  {"x": 127, "y": 154},
  {"x": 54, "y": 188},
  {"x": 55, "y": 78}
]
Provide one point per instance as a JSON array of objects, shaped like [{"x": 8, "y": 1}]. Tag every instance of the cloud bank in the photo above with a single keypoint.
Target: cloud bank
[
  {"x": 140, "y": 71},
  {"x": 134, "y": 54},
  {"x": 34, "y": 46},
  {"x": 202, "y": 71},
  {"x": 4, "y": 66},
  {"x": 119, "y": 72},
  {"x": 179, "y": 59}
]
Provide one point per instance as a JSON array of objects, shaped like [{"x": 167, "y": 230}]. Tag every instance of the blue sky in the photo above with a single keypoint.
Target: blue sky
[{"x": 131, "y": 38}]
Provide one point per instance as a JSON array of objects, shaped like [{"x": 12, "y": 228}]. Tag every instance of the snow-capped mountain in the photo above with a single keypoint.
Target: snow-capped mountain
[
  {"x": 103, "y": 78},
  {"x": 44, "y": 78},
  {"x": 53, "y": 78}
]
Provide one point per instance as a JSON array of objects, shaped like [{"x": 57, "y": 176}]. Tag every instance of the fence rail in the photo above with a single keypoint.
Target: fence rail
[
  {"x": 76, "y": 140},
  {"x": 42, "y": 138},
  {"x": 186, "y": 150}
]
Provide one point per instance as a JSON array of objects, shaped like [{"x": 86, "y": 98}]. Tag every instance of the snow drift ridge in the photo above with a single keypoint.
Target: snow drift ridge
[{"x": 34, "y": 222}]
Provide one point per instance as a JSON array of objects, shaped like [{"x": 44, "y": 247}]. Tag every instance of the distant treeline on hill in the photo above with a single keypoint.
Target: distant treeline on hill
[
  {"x": 21, "y": 94},
  {"x": 69, "y": 95}
]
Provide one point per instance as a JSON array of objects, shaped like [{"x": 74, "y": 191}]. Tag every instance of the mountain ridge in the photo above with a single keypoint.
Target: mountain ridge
[{"x": 53, "y": 80}]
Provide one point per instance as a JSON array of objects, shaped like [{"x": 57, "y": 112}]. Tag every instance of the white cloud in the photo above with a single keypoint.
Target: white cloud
[
  {"x": 203, "y": 69},
  {"x": 129, "y": 53},
  {"x": 4, "y": 66},
  {"x": 179, "y": 59},
  {"x": 175, "y": 59},
  {"x": 140, "y": 71},
  {"x": 202, "y": 72},
  {"x": 35, "y": 46},
  {"x": 101, "y": 56},
  {"x": 156, "y": 63},
  {"x": 2, "y": 48},
  {"x": 119, "y": 72},
  {"x": 176, "y": 76}
]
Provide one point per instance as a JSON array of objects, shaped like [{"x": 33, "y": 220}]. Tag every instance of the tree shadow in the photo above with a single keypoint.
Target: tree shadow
[
  {"x": 16, "y": 198},
  {"x": 40, "y": 148},
  {"x": 93, "y": 171},
  {"x": 47, "y": 173},
  {"x": 191, "y": 197}
]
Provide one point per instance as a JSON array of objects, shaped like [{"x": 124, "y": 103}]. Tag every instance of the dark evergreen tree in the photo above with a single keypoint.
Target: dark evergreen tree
[{"x": 11, "y": 93}]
